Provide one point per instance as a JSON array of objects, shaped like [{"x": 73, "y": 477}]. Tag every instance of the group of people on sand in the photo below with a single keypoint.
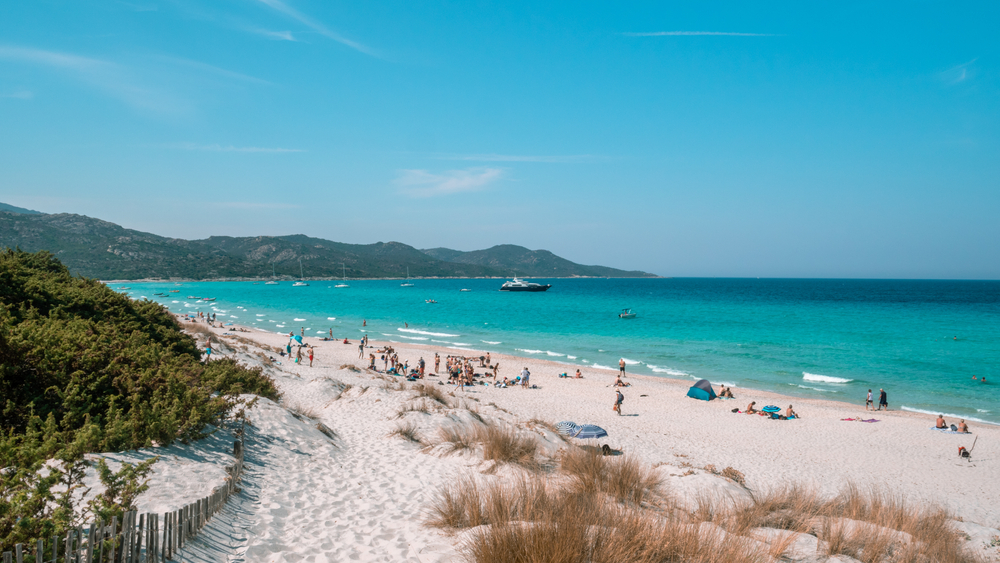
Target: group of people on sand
[
  {"x": 883, "y": 400},
  {"x": 789, "y": 413},
  {"x": 726, "y": 392},
  {"x": 962, "y": 427}
]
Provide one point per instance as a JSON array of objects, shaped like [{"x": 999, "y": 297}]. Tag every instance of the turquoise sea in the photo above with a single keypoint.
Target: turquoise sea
[{"x": 920, "y": 340}]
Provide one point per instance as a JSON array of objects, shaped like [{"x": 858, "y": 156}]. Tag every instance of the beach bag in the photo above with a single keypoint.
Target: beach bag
[{"x": 736, "y": 410}]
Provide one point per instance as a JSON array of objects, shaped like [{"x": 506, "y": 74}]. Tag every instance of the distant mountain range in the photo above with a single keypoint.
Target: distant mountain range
[{"x": 104, "y": 250}]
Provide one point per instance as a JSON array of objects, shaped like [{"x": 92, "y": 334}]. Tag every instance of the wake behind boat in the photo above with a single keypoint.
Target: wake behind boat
[{"x": 521, "y": 285}]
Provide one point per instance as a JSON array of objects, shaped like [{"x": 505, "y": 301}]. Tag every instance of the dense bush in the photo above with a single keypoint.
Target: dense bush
[{"x": 82, "y": 369}]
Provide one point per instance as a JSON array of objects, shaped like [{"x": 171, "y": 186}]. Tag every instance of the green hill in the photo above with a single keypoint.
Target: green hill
[
  {"x": 530, "y": 263},
  {"x": 104, "y": 250}
]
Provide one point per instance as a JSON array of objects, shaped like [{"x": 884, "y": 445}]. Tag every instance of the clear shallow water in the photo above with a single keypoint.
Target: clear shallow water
[{"x": 830, "y": 339}]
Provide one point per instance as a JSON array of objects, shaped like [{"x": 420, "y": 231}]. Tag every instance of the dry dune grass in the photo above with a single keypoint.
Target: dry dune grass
[
  {"x": 872, "y": 525},
  {"x": 506, "y": 445},
  {"x": 605, "y": 512},
  {"x": 624, "y": 478},
  {"x": 407, "y": 431},
  {"x": 457, "y": 438},
  {"x": 500, "y": 445},
  {"x": 301, "y": 411},
  {"x": 431, "y": 392},
  {"x": 530, "y": 521}
]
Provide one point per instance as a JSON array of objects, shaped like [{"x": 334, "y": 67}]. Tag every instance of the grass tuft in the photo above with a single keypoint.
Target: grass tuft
[
  {"x": 624, "y": 478},
  {"x": 407, "y": 431},
  {"x": 431, "y": 392}
]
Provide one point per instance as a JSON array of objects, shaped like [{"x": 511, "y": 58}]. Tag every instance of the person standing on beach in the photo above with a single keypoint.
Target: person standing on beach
[
  {"x": 331, "y": 333},
  {"x": 525, "y": 374},
  {"x": 619, "y": 399},
  {"x": 208, "y": 351},
  {"x": 298, "y": 355},
  {"x": 421, "y": 364},
  {"x": 882, "y": 401},
  {"x": 302, "y": 332},
  {"x": 361, "y": 349},
  {"x": 310, "y": 356},
  {"x": 869, "y": 402},
  {"x": 437, "y": 362},
  {"x": 621, "y": 367}
]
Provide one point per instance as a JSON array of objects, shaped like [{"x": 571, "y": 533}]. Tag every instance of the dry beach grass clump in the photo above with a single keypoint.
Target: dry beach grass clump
[{"x": 617, "y": 509}]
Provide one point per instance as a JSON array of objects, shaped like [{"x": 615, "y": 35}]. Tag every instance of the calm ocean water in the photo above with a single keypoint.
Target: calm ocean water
[{"x": 829, "y": 339}]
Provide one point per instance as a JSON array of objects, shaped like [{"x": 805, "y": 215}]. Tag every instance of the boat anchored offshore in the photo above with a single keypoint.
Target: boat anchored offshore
[
  {"x": 521, "y": 285},
  {"x": 300, "y": 283},
  {"x": 343, "y": 283},
  {"x": 626, "y": 314},
  {"x": 407, "y": 282}
]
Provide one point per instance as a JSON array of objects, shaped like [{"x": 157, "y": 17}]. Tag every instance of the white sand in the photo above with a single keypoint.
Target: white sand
[{"x": 363, "y": 495}]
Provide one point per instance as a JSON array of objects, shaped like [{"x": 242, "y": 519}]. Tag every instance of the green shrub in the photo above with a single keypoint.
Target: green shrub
[{"x": 84, "y": 369}]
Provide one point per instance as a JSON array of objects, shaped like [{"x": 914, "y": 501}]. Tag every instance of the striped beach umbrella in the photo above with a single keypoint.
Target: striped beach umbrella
[
  {"x": 771, "y": 408},
  {"x": 587, "y": 431},
  {"x": 566, "y": 428}
]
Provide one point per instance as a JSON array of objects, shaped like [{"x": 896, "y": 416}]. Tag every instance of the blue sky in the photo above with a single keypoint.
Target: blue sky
[{"x": 687, "y": 139}]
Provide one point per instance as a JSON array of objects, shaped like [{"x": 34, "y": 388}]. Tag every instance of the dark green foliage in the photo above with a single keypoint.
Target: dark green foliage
[
  {"x": 121, "y": 488},
  {"x": 83, "y": 369}
]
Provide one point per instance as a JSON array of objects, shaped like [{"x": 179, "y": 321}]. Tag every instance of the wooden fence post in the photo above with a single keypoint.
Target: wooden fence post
[{"x": 40, "y": 551}]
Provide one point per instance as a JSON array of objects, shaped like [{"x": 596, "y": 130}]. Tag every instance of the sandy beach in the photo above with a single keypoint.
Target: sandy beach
[{"x": 364, "y": 495}]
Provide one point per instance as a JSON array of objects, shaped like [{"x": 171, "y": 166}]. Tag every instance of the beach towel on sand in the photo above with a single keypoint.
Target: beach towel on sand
[{"x": 948, "y": 430}]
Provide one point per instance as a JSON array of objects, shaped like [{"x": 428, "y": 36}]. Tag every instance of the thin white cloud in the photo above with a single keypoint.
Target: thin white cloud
[
  {"x": 212, "y": 69},
  {"x": 316, "y": 26},
  {"x": 230, "y": 148},
  {"x": 690, "y": 33},
  {"x": 958, "y": 74},
  {"x": 276, "y": 35},
  {"x": 168, "y": 87},
  {"x": 560, "y": 159},
  {"x": 421, "y": 183},
  {"x": 19, "y": 95}
]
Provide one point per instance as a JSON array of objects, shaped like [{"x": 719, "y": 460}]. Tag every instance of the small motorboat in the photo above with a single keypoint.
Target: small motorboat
[
  {"x": 124, "y": 288},
  {"x": 174, "y": 291},
  {"x": 626, "y": 314},
  {"x": 208, "y": 299},
  {"x": 193, "y": 297},
  {"x": 521, "y": 285},
  {"x": 465, "y": 290},
  {"x": 430, "y": 301},
  {"x": 300, "y": 284},
  {"x": 159, "y": 294}
]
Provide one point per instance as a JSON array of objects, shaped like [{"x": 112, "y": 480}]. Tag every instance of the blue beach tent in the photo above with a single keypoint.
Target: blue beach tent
[{"x": 702, "y": 390}]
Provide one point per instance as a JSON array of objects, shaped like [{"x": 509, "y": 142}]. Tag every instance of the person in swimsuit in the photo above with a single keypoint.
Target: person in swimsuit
[
  {"x": 578, "y": 375},
  {"x": 750, "y": 409},
  {"x": 963, "y": 427},
  {"x": 619, "y": 398},
  {"x": 621, "y": 367},
  {"x": 310, "y": 356},
  {"x": 941, "y": 423},
  {"x": 789, "y": 413},
  {"x": 869, "y": 402},
  {"x": 882, "y": 401}
]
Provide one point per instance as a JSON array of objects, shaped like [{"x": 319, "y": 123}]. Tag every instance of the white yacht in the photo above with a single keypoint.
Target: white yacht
[
  {"x": 521, "y": 285},
  {"x": 273, "y": 281}
]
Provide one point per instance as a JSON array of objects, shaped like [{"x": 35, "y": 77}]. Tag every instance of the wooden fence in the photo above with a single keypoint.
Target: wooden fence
[{"x": 134, "y": 538}]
